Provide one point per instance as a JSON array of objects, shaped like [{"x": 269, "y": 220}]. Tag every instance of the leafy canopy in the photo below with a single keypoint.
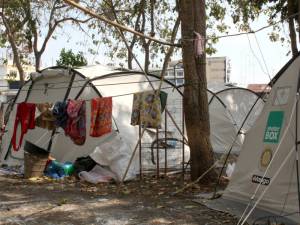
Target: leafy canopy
[{"x": 70, "y": 59}]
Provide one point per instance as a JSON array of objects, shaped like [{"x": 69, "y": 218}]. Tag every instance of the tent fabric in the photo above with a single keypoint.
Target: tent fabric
[
  {"x": 258, "y": 217},
  {"x": 266, "y": 167},
  {"x": 239, "y": 101},
  {"x": 226, "y": 123},
  {"x": 52, "y": 85}
]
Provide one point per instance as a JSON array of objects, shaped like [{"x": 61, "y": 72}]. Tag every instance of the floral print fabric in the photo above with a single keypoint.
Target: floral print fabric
[{"x": 146, "y": 110}]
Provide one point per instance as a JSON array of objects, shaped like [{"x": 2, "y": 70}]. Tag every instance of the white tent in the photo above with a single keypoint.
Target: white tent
[
  {"x": 264, "y": 185},
  {"x": 232, "y": 111},
  {"x": 52, "y": 85},
  {"x": 241, "y": 108}
]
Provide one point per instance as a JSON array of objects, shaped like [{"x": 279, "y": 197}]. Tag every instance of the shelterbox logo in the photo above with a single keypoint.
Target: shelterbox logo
[{"x": 273, "y": 128}]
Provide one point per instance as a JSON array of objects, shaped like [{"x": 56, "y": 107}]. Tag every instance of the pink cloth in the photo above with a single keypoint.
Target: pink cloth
[
  {"x": 76, "y": 127},
  {"x": 199, "y": 44}
]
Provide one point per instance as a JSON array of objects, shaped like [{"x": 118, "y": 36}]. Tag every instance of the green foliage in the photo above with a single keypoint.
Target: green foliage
[
  {"x": 70, "y": 59},
  {"x": 28, "y": 25},
  {"x": 11, "y": 76},
  {"x": 245, "y": 12},
  {"x": 137, "y": 15}
]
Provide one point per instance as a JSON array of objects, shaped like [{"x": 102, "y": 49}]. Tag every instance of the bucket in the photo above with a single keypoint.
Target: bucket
[{"x": 35, "y": 160}]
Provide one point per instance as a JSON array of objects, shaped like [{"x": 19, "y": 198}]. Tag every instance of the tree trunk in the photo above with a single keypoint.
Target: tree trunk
[
  {"x": 38, "y": 56},
  {"x": 129, "y": 58},
  {"x": 17, "y": 59},
  {"x": 298, "y": 16},
  {"x": 147, "y": 56},
  {"x": 192, "y": 15},
  {"x": 291, "y": 22}
]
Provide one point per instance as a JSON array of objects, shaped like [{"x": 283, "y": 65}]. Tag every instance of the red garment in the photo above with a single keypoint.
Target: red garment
[
  {"x": 25, "y": 116},
  {"x": 101, "y": 116},
  {"x": 76, "y": 127}
]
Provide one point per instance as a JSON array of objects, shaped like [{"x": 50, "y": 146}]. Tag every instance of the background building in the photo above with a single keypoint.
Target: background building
[
  {"x": 218, "y": 71},
  {"x": 9, "y": 75}
]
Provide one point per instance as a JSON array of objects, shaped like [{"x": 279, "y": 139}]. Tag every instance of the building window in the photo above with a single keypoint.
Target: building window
[
  {"x": 179, "y": 73},
  {"x": 179, "y": 81}
]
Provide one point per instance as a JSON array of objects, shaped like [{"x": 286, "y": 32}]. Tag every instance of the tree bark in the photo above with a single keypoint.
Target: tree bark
[
  {"x": 38, "y": 56},
  {"x": 192, "y": 16},
  {"x": 298, "y": 16},
  {"x": 291, "y": 22}
]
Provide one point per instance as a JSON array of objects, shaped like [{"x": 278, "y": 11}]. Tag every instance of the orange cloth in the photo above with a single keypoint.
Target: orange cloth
[{"x": 101, "y": 116}]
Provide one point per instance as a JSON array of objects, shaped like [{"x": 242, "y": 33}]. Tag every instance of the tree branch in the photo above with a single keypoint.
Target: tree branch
[{"x": 115, "y": 24}]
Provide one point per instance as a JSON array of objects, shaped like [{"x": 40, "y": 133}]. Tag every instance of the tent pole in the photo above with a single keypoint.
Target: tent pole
[
  {"x": 231, "y": 147},
  {"x": 157, "y": 155},
  {"x": 296, "y": 142},
  {"x": 166, "y": 146},
  {"x": 65, "y": 99},
  {"x": 140, "y": 147},
  {"x": 183, "y": 145}
]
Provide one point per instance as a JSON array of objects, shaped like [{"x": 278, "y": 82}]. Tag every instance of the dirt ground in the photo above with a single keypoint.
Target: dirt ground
[{"x": 70, "y": 202}]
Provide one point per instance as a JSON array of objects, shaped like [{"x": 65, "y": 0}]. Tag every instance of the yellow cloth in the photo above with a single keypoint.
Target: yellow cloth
[
  {"x": 146, "y": 110},
  {"x": 46, "y": 119}
]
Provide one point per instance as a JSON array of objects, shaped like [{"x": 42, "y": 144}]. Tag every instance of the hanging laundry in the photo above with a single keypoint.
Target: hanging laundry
[
  {"x": 46, "y": 119},
  {"x": 76, "y": 127},
  {"x": 163, "y": 100},
  {"x": 60, "y": 113},
  {"x": 146, "y": 110},
  {"x": 199, "y": 44},
  {"x": 25, "y": 115},
  {"x": 101, "y": 116}
]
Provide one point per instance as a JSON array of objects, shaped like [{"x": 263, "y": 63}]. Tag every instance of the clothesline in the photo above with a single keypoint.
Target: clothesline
[
  {"x": 110, "y": 84},
  {"x": 113, "y": 96},
  {"x": 71, "y": 116}
]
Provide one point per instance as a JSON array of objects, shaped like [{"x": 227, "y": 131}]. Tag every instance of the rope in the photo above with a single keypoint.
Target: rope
[
  {"x": 257, "y": 59},
  {"x": 262, "y": 55}
]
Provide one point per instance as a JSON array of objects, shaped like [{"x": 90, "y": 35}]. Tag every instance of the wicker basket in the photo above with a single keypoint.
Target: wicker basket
[{"x": 34, "y": 161}]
